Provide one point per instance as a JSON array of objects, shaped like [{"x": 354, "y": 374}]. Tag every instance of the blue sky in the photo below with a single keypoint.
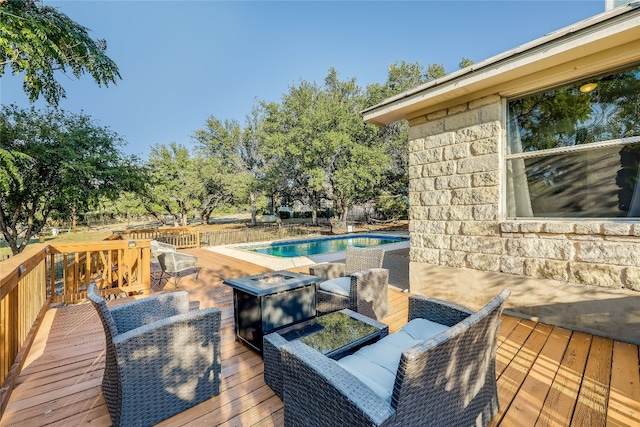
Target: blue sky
[{"x": 184, "y": 61}]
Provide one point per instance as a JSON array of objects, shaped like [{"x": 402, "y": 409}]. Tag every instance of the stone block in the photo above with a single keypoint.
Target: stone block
[
  {"x": 477, "y": 244},
  {"x": 429, "y": 256},
  {"x": 483, "y": 262},
  {"x": 439, "y": 213},
  {"x": 632, "y": 278},
  {"x": 455, "y": 152},
  {"x": 440, "y": 169},
  {"x": 427, "y": 129},
  {"x": 437, "y": 115},
  {"x": 453, "y": 227},
  {"x": 546, "y": 269},
  {"x": 440, "y": 140},
  {"x": 531, "y": 227},
  {"x": 478, "y": 132},
  {"x": 460, "y": 212},
  {"x": 417, "y": 120},
  {"x": 422, "y": 184},
  {"x": 427, "y": 156},
  {"x": 457, "y": 109},
  {"x": 485, "y": 179},
  {"x": 489, "y": 162},
  {"x": 416, "y": 145},
  {"x": 510, "y": 227},
  {"x": 475, "y": 196},
  {"x": 454, "y": 259},
  {"x": 491, "y": 113},
  {"x": 615, "y": 253},
  {"x": 485, "y": 212},
  {"x": 606, "y": 276},
  {"x": 450, "y": 182},
  {"x": 484, "y": 146},
  {"x": 588, "y": 228},
  {"x": 461, "y": 120},
  {"x": 512, "y": 265},
  {"x": 435, "y": 241},
  {"x": 541, "y": 248},
  {"x": 480, "y": 228},
  {"x": 616, "y": 229},
  {"x": 415, "y": 171},
  {"x": 554, "y": 227},
  {"x": 435, "y": 198}
]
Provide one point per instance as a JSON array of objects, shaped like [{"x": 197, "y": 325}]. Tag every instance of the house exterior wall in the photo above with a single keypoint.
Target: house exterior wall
[{"x": 580, "y": 274}]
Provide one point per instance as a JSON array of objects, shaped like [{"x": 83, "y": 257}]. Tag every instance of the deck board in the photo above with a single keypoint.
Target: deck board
[{"x": 546, "y": 375}]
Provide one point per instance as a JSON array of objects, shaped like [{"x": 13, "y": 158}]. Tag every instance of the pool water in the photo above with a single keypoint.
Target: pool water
[{"x": 325, "y": 245}]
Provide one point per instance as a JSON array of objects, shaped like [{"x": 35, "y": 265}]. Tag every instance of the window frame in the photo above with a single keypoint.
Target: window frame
[{"x": 507, "y": 157}]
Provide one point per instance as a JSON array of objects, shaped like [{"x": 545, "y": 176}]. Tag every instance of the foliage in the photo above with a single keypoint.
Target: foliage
[
  {"x": 176, "y": 183},
  {"x": 238, "y": 157},
  {"x": 72, "y": 163},
  {"x": 392, "y": 207},
  {"x": 39, "y": 40}
]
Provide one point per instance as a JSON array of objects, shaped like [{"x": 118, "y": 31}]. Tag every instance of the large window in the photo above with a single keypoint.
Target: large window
[{"x": 574, "y": 151}]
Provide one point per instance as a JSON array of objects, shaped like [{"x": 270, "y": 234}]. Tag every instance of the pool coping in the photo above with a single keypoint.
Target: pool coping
[{"x": 280, "y": 263}]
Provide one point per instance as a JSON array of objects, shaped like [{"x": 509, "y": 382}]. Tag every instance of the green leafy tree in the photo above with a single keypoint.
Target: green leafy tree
[
  {"x": 465, "y": 62},
  {"x": 72, "y": 163},
  {"x": 40, "y": 40},
  {"x": 238, "y": 152},
  {"x": 175, "y": 185}
]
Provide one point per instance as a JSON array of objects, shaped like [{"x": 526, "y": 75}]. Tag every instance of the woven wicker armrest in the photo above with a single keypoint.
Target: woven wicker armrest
[
  {"x": 271, "y": 345},
  {"x": 140, "y": 312},
  {"x": 369, "y": 292},
  {"x": 435, "y": 310},
  {"x": 328, "y": 271},
  {"x": 319, "y": 392}
]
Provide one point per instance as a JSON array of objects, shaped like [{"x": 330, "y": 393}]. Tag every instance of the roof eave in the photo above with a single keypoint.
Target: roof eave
[{"x": 597, "y": 34}]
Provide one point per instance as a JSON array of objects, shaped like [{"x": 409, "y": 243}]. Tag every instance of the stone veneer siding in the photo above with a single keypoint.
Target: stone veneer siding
[{"x": 455, "y": 219}]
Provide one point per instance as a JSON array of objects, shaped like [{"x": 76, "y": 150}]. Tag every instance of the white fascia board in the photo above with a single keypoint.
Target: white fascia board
[{"x": 587, "y": 38}]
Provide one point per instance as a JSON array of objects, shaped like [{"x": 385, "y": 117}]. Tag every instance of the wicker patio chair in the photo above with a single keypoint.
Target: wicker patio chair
[
  {"x": 447, "y": 379},
  {"x": 359, "y": 284},
  {"x": 174, "y": 263},
  {"x": 161, "y": 358}
]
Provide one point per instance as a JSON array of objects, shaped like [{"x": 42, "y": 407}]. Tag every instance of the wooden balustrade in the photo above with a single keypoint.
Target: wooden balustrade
[
  {"x": 60, "y": 272},
  {"x": 23, "y": 302},
  {"x": 115, "y": 266},
  {"x": 181, "y": 237}
]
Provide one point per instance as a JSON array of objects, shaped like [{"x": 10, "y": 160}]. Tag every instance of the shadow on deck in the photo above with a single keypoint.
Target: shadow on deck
[{"x": 546, "y": 375}]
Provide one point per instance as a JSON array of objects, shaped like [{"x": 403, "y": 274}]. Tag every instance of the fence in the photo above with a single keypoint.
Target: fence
[{"x": 257, "y": 234}]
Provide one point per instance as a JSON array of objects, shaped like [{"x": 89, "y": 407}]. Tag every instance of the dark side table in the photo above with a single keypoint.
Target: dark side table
[{"x": 266, "y": 302}]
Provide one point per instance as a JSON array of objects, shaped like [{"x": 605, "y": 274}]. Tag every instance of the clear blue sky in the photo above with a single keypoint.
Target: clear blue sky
[{"x": 184, "y": 61}]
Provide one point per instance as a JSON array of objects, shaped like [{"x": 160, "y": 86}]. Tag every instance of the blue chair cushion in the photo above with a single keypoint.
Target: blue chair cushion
[
  {"x": 339, "y": 286},
  {"x": 376, "y": 364}
]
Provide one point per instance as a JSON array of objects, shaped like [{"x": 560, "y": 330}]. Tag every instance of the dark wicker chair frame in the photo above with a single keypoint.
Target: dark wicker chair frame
[
  {"x": 447, "y": 380},
  {"x": 161, "y": 358},
  {"x": 368, "y": 293}
]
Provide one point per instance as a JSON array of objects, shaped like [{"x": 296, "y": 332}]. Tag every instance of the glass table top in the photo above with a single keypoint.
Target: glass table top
[{"x": 330, "y": 332}]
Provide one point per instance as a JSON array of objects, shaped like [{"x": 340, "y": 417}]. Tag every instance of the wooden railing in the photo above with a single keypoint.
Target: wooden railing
[
  {"x": 42, "y": 274},
  {"x": 180, "y": 237},
  {"x": 115, "y": 266}
]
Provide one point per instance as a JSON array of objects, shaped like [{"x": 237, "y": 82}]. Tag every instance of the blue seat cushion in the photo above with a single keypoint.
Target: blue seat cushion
[
  {"x": 339, "y": 286},
  {"x": 376, "y": 364}
]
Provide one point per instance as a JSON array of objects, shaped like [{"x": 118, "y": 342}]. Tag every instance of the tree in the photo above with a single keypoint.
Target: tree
[
  {"x": 72, "y": 163},
  {"x": 39, "y": 40},
  {"x": 239, "y": 151},
  {"x": 175, "y": 185}
]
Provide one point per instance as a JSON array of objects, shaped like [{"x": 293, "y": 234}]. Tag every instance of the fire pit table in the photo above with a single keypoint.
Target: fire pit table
[{"x": 266, "y": 302}]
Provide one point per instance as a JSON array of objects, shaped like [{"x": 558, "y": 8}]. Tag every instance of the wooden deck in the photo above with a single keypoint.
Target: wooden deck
[{"x": 546, "y": 375}]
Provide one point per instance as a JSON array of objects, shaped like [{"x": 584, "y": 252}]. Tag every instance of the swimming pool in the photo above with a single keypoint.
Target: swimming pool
[{"x": 324, "y": 245}]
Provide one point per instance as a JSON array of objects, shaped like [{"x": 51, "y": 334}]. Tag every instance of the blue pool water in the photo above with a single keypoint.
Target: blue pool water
[{"x": 322, "y": 245}]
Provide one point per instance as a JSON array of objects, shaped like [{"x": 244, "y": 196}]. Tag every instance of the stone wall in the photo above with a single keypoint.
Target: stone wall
[{"x": 456, "y": 220}]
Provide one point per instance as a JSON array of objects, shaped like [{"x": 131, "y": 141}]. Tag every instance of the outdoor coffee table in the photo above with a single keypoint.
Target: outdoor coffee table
[
  {"x": 266, "y": 302},
  {"x": 335, "y": 335}
]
